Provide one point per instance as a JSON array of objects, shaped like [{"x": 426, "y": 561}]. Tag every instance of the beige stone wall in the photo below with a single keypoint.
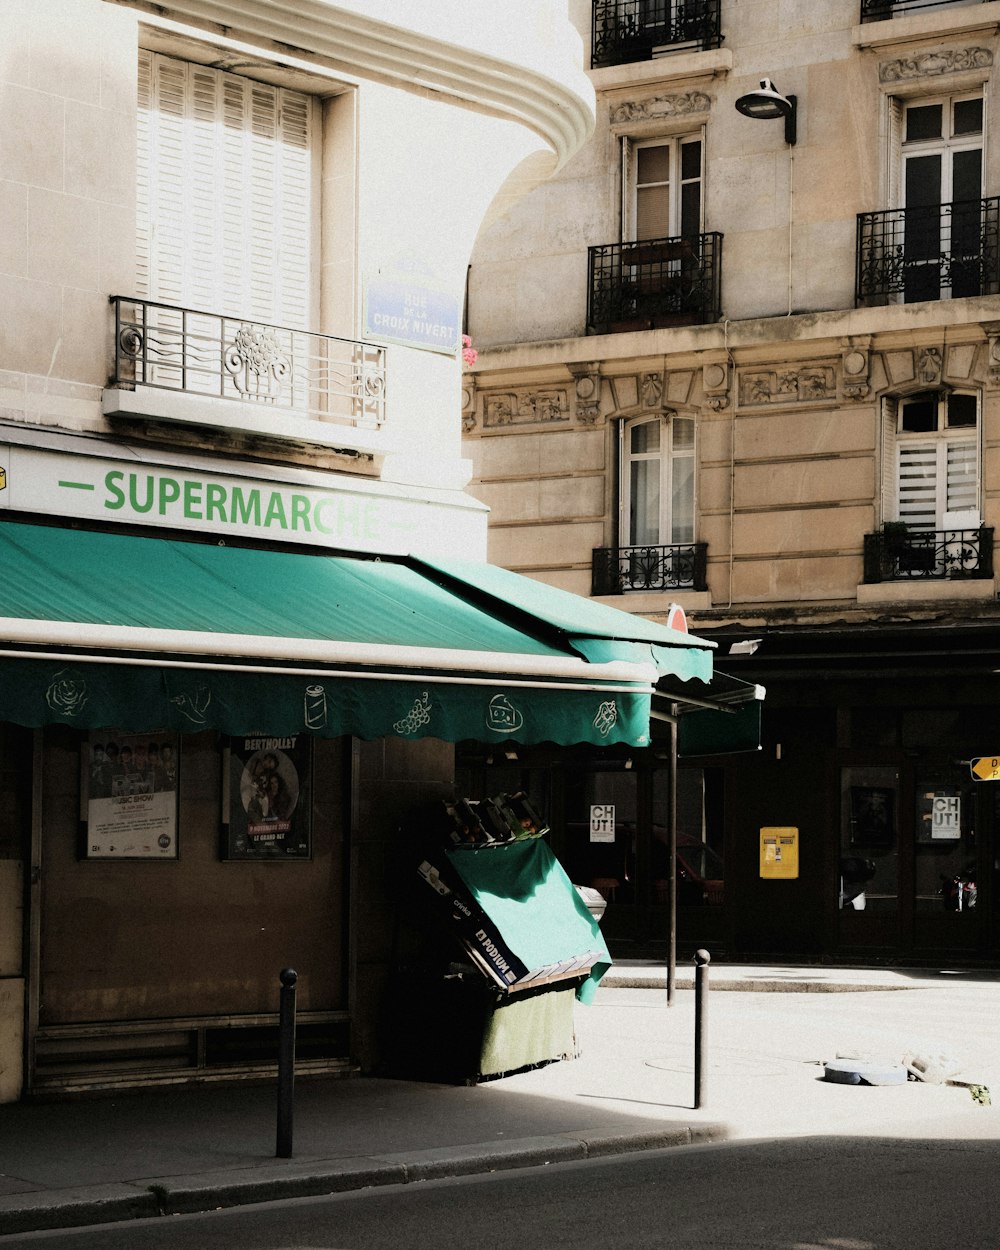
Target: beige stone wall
[
  {"x": 788, "y": 387},
  {"x": 67, "y": 201}
]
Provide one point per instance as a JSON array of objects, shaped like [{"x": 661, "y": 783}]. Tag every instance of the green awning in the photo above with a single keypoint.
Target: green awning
[
  {"x": 705, "y": 732},
  {"x": 719, "y": 717},
  {"x": 532, "y": 914},
  {"x": 142, "y": 633},
  {"x": 597, "y": 632}
]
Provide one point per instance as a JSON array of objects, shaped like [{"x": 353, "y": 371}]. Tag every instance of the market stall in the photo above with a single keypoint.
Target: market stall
[{"x": 510, "y": 947}]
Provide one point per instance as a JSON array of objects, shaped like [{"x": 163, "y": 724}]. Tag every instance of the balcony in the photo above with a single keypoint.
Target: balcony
[
  {"x": 639, "y": 30},
  {"x": 878, "y": 10},
  {"x": 654, "y": 283},
  {"x": 675, "y": 566},
  {"x": 178, "y": 364},
  {"x": 898, "y": 554},
  {"x": 946, "y": 251}
]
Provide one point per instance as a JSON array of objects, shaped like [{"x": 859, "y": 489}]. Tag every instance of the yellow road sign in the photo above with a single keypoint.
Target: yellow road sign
[{"x": 986, "y": 768}]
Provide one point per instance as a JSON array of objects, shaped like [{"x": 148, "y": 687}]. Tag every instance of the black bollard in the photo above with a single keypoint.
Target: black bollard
[
  {"x": 286, "y": 1062},
  {"x": 702, "y": 959}
]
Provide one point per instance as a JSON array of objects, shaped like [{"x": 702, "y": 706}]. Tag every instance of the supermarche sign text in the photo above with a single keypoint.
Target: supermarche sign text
[{"x": 96, "y": 488}]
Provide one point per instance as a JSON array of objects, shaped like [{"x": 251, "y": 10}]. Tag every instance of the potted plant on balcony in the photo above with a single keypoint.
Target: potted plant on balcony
[{"x": 902, "y": 553}]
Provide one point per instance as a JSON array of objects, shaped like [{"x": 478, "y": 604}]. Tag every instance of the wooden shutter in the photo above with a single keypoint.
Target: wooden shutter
[{"x": 225, "y": 192}]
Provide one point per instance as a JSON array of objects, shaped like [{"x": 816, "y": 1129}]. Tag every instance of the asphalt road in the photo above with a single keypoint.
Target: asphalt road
[{"x": 829, "y": 1193}]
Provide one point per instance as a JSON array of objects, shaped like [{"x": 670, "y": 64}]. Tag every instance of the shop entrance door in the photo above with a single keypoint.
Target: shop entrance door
[{"x": 913, "y": 854}]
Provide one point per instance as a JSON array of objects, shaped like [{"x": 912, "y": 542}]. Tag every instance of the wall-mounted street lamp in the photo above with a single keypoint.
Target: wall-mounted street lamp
[{"x": 769, "y": 104}]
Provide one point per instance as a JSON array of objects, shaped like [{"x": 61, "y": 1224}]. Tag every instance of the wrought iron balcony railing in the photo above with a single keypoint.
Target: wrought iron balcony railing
[
  {"x": 938, "y": 555},
  {"x": 945, "y": 251},
  {"x": 676, "y": 566},
  {"x": 638, "y": 30},
  {"x": 311, "y": 376},
  {"x": 878, "y": 10},
  {"x": 653, "y": 283}
]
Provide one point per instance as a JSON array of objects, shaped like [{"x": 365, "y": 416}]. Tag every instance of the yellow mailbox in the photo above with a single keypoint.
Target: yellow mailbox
[{"x": 779, "y": 852}]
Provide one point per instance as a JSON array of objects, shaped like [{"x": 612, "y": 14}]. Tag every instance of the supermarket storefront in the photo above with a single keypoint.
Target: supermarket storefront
[{"x": 207, "y": 748}]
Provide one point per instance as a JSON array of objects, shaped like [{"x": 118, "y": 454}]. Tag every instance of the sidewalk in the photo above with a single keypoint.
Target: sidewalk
[{"x": 120, "y": 1157}]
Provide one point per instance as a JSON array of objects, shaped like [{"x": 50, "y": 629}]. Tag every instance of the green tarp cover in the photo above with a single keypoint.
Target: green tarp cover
[
  {"x": 525, "y": 892},
  {"x": 164, "y": 585}
]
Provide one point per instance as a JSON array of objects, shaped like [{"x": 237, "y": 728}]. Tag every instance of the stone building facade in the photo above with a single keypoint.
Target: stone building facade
[
  {"x": 233, "y": 246},
  {"x": 742, "y": 355}
]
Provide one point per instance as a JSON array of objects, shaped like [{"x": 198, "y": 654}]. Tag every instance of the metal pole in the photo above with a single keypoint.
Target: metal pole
[
  {"x": 702, "y": 959},
  {"x": 286, "y": 1062},
  {"x": 672, "y": 873}
]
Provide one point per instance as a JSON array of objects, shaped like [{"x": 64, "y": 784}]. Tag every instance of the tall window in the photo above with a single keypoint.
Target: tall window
[
  {"x": 940, "y": 187},
  {"x": 658, "y": 481},
  {"x": 224, "y": 193},
  {"x": 661, "y": 184},
  {"x": 931, "y": 457}
]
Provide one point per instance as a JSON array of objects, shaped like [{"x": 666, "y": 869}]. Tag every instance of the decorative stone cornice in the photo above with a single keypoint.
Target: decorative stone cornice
[
  {"x": 656, "y": 108},
  {"x": 931, "y": 63},
  {"x": 525, "y": 406},
  {"x": 786, "y": 386}
]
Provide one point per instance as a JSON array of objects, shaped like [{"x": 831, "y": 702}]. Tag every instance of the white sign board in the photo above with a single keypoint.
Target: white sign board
[
  {"x": 343, "y": 512},
  {"x": 946, "y": 816},
  {"x": 602, "y": 822}
]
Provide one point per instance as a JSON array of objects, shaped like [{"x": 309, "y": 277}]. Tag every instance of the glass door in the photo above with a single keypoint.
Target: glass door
[
  {"x": 868, "y": 869},
  {"x": 946, "y": 861}
]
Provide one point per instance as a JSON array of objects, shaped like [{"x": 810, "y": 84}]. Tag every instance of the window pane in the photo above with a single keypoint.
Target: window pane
[
  {"x": 962, "y": 492},
  {"x": 869, "y": 807},
  {"x": 967, "y": 177},
  {"x": 923, "y": 185},
  {"x": 918, "y": 484},
  {"x": 946, "y": 853},
  {"x": 968, "y": 117},
  {"x": 923, "y": 121},
  {"x": 961, "y": 410},
  {"x": 644, "y": 438},
  {"x": 652, "y": 213},
  {"x": 691, "y": 159},
  {"x": 682, "y": 500},
  {"x": 653, "y": 164},
  {"x": 683, "y": 434},
  {"x": 690, "y": 209},
  {"x": 644, "y": 510},
  {"x": 919, "y": 414}
]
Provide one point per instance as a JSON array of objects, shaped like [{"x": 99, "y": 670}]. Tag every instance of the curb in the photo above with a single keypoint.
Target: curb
[
  {"x": 625, "y": 980},
  {"x": 187, "y": 1195}
]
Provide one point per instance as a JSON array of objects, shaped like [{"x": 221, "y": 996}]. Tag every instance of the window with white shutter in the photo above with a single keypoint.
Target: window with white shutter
[
  {"x": 224, "y": 193},
  {"x": 930, "y": 460}
]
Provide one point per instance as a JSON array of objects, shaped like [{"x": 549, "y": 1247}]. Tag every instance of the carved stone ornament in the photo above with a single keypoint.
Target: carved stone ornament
[
  {"x": 588, "y": 392},
  {"x": 992, "y": 329},
  {"x": 931, "y": 63},
  {"x": 715, "y": 384},
  {"x": 468, "y": 403},
  {"x": 652, "y": 390},
  {"x": 525, "y": 407},
  {"x": 855, "y": 365},
  {"x": 929, "y": 365},
  {"x": 657, "y": 107},
  {"x": 791, "y": 386}
]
